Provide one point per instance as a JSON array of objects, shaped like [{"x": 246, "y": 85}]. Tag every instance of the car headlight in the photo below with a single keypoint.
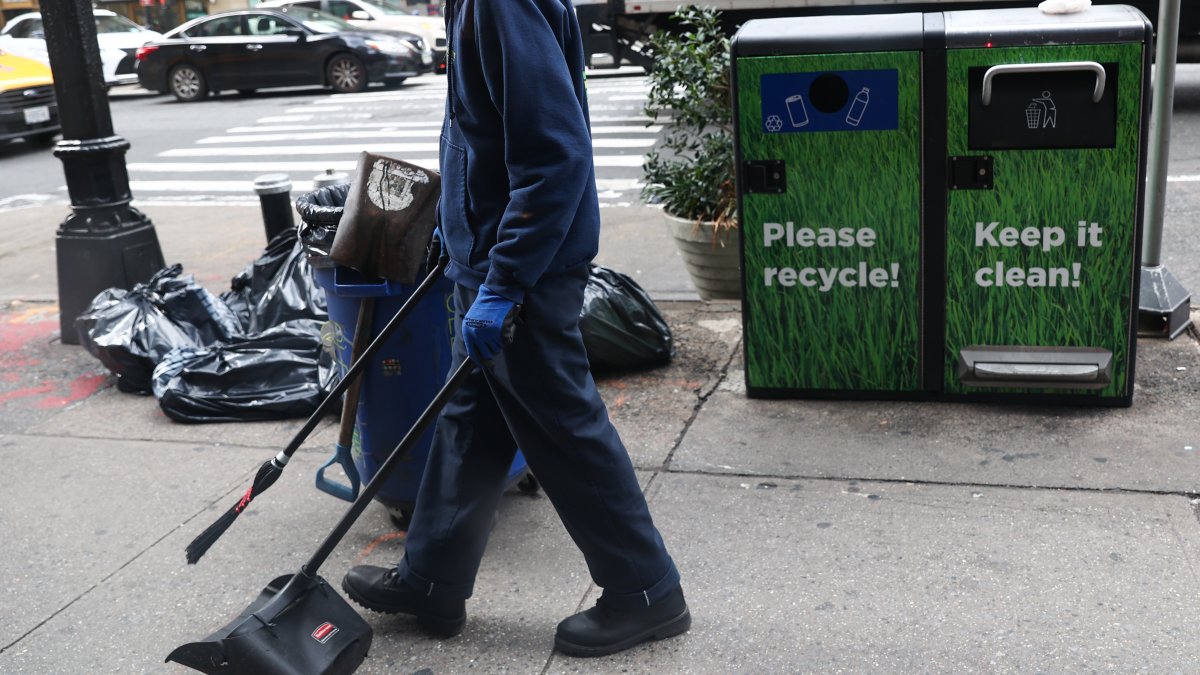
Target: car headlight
[{"x": 390, "y": 47}]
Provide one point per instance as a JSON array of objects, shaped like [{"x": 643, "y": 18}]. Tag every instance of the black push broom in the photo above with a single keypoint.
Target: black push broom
[{"x": 270, "y": 471}]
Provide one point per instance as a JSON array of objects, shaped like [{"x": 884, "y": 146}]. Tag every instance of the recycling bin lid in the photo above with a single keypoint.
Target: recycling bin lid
[
  {"x": 835, "y": 34},
  {"x": 1025, "y": 26}
]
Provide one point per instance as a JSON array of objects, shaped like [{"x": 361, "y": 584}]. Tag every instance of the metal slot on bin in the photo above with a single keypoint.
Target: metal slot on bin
[{"x": 1042, "y": 367}]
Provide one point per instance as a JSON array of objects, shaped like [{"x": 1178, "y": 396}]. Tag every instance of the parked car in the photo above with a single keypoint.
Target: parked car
[
  {"x": 381, "y": 15},
  {"x": 117, "y": 36},
  {"x": 254, "y": 49},
  {"x": 27, "y": 106}
]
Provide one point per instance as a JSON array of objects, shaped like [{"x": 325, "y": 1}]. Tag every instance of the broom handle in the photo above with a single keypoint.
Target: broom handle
[
  {"x": 397, "y": 455},
  {"x": 359, "y": 365}
]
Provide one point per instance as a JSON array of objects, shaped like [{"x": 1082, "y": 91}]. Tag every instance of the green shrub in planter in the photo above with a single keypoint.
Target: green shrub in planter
[{"x": 691, "y": 173}]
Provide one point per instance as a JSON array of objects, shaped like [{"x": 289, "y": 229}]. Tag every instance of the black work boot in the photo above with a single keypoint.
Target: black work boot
[
  {"x": 381, "y": 589},
  {"x": 605, "y": 629}
]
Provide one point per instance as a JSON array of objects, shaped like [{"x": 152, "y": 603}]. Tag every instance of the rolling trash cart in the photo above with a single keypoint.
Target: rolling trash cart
[
  {"x": 944, "y": 205},
  {"x": 396, "y": 385}
]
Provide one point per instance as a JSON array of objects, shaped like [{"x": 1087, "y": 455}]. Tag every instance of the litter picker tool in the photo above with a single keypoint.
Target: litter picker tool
[
  {"x": 299, "y": 625},
  {"x": 269, "y": 472}
]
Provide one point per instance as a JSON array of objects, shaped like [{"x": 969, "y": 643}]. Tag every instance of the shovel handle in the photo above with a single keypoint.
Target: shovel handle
[
  {"x": 341, "y": 455},
  {"x": 397, "y": 455},
  {"x": 359, "y": 365},
  {"x": 402, "y": 450}
]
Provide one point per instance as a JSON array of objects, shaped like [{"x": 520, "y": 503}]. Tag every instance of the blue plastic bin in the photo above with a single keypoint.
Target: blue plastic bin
[{"x": 400, "y": 381}]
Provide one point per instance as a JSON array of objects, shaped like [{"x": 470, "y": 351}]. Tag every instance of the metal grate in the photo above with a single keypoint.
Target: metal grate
[{"x": 19, "y": 99}]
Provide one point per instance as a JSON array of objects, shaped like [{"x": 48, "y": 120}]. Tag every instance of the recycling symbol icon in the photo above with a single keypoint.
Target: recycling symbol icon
[{"x": 774, "y": 123}]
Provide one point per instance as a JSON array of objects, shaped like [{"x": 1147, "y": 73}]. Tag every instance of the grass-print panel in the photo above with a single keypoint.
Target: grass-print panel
[
  {"x": 853, "y": 336},
  {"x": 1043, "y": 188}
]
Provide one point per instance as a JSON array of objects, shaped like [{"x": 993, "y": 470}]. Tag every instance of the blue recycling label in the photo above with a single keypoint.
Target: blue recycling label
[{"x": 848, "y": 100}]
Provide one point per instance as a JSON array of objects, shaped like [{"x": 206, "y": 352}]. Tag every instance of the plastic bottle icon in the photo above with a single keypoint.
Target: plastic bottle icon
[
  {"x": 796, "y": 110},
  {"x": 858, "y": 107}
]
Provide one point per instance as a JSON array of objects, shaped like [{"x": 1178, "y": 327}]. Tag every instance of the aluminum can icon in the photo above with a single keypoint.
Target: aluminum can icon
[{"x": 796, "y": 110}]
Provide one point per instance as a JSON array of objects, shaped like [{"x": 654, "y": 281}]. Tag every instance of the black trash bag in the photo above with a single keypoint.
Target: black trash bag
[
  {"x": 621, "y": 326},
  {"x": 280, "y": 373},
  {"x": 279, "y": 286},
  {"x": 320, "y": 212},
  {"x": 130, "y": 331}
]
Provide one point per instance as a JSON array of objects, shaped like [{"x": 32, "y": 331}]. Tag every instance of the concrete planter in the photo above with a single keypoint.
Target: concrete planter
[{"x": 713, "y": 266}]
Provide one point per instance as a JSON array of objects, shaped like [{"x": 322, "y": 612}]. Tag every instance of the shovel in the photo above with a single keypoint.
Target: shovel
[
  {"x": 298, "y": 625},
  {"x": 341, "y": 453}
]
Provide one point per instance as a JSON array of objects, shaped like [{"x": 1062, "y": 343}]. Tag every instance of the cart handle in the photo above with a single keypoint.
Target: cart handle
[{"x": 1012, "y": 68}]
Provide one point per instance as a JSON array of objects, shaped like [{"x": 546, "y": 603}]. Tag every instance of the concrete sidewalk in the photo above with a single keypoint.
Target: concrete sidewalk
[{"x": 813, "y": 536}]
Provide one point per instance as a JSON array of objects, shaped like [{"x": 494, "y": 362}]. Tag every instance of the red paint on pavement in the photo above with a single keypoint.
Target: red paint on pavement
[
  {"x": 26, "y": 333},
  {"x": 79, "y": 389},
  {"x": 26, "y": 392}
]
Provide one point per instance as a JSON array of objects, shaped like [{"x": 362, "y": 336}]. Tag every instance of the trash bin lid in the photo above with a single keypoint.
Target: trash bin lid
[
  {"x": 1026, "y": 26},
  {"x": 830, "y": 34}
]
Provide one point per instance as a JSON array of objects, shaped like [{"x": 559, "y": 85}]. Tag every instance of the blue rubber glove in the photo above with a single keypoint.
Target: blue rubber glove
[{"x": 483, "y": 325}]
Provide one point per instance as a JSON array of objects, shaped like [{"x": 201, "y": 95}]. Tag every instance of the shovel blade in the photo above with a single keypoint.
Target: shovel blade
[{"x": 296, "y": 626}]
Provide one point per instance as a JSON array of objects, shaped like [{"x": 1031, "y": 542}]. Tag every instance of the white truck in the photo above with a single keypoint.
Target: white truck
[{"x": 620, "y": 29}]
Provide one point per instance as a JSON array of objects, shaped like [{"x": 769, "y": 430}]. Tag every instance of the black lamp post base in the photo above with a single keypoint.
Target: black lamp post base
[{"x": 90, "y": 262}]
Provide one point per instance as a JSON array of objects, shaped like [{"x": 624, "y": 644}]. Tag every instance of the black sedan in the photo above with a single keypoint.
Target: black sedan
[{"x": 259, "y": 48}]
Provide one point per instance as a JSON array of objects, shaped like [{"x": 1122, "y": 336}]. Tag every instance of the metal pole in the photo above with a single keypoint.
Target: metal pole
[
  {"x": 1164, "y": 303},
  {"x": 105, "y": 242},
  {"x": 1160, "y": 129}
]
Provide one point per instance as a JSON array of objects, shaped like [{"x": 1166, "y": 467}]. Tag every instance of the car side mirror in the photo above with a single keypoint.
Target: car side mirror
[
  {"x": 360, "y": 15},
  {"x": 295, "y": 32}
]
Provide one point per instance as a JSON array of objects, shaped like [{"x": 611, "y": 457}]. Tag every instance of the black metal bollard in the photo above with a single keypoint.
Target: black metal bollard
[{"x": 275, "y": 196}]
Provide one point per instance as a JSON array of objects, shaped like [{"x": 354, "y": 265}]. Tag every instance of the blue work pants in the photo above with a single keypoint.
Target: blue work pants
[{"x": 538, "y": 395}]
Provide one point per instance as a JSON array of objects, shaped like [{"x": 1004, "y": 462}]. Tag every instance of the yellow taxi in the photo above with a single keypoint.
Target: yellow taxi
[{"x": 27, "y": 105}]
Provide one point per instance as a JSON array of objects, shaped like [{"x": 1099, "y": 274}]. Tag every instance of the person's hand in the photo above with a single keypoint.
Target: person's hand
[
  {"x": 483, "y": 325},
  {"x": 435, "y": 252}
]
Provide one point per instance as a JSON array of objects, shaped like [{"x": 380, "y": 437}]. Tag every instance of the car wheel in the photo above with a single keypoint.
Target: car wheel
[
  {"x": 43, "y": 139},
  {"x": 346, "y": 74},
  {"x": 187, "y": 83}
]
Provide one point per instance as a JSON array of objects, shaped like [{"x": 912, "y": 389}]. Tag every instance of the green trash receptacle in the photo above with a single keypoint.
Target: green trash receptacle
[
  {"x": 942, "y": 205},
  {"x": 828, "y": 142},
  {"x": 1045, "y": 135}
]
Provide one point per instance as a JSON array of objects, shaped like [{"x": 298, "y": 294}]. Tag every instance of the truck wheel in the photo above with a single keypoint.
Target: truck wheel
[
  {"x": 346, "y": 74},
  {"x": 187, "y": 83}
]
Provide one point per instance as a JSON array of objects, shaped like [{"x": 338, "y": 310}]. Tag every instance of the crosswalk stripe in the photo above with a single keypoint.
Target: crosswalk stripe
[
  {"x": 247, "y": 186},
  {"x": 268, "y": 166},
  {"x": 598, "y": 125},
  {"x": 328, "y": 133},
  {"x": 259, "y": 167},
  {"x": 380, "y": 133},
  {"x": 251, "y": 151},
  {"x": 381, "y": 148},
  {"x": 430, "y": 124}
]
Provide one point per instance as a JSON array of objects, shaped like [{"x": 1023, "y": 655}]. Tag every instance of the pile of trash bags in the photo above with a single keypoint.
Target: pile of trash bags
[
  {"x": 256, "y": 352},
  {"x": 252, "y": 353}
]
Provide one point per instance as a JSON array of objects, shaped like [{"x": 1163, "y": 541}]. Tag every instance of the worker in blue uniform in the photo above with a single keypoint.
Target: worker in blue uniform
[{"x": 519, "y": 220}]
